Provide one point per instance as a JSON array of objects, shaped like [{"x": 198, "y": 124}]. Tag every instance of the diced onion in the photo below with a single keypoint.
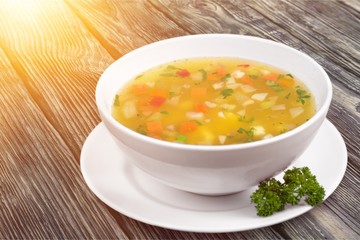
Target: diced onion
[
  {"x": 195, "y": 115},
  {"x": 248, "y": 102},
  {"x": 221, "y": 114},
  {"x": 294, "y": 112},
  {"x": 230, "y": 80},
  {"x": 228, "y": 106},
  {"x": 210, "y": 104},
  {"x": 247, "y": 88},
  {"x": 170, "y": 127},
  {"x": 174, "y": 100},
  {"x": 129, "y": 109},
  {"x": 258, "y": 130},
  {"x": 278, "y": 107},
  {"x": 233, "y": 85},
  {"x": 273, "y": 99},
  {"x": 150, "y": 84},
  {"x": 218, "y": 85},
  {"x": 265, "y": 72},
  {"x": 240, "y": 97},
  {"x": 259, "y": 96},
  {"x": 267, "y": 136},
  {"x": 222, "y": 139},
  {"x": 237, "y": 74},
  {"x": 242, "y": 112}
]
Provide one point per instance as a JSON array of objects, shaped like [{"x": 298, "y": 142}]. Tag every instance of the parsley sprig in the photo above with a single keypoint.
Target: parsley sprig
[
  {"x": 116, "y": 101},
  {"x": 272, "y": 195},
  {"x": 276, "y": 87},
  {"x": 227, "y": 92},
  {"x": 249, "y": 132},
  {"x": 302, "y": 95}
]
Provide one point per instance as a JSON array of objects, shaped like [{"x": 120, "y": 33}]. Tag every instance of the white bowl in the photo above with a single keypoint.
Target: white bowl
[{"x": 214, "y": 170}]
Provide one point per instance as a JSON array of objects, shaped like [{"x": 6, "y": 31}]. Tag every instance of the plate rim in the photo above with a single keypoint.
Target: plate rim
[{"x": 268, "y": 221}]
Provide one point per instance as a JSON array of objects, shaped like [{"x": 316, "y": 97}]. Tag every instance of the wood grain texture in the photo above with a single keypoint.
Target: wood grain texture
[
  {"x": 42, "y": 193},
  {"x": 49, "y": 70},
  {"x": 59, "y": 62},
  {"x": 124, "y": 25},
  {"x": 51, "y": 55}
]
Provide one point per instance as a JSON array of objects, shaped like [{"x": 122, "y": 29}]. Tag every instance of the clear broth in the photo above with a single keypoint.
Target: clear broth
[{"x": 213, "y": 101}]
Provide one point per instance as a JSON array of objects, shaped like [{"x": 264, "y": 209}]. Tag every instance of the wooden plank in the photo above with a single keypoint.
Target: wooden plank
[
  {"x": 48, "y": 110},
  {"x": 59, "y": 62},
  {"x": 353, "y": 5},
  {"x": 209, "y": 16},
  {"x": 338, "y": 55},
  {"x": 42, "y": 192},
  {"x": 124, "y": 25},
  {"x": 333, "y": 14},
  {"x": 283, "y": 22}
]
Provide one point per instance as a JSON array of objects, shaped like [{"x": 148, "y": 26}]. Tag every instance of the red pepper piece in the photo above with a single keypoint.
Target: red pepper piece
[{"x": 183, "y": 73}]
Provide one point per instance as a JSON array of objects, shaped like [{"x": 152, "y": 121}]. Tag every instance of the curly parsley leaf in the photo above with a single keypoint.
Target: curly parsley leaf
[
  {"x": 268, "y": 197},
  {"x": 272, "y": 195}
]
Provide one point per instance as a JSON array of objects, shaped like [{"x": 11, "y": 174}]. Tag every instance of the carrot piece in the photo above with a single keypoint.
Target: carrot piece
[
  {"x": 159, "y": 92},
  {"x": 198, "y": 92},
  {"x": 188, "y": 126},
  {"x": 157, "y": 101},
  {"x": 139, "y": 89},
  {"x": 155, "y": 135},
  {"x": 200, "y": 107},
  {"x": 143, "y": 101},
  {"x": 213, "y": 77},
  {"x": 286, "y": 82},
  {"x": 154, "y": 127},
  {"x": 246, "y": 80},
  {"x": 271, "y": 76},
  {"x": 220, "y": 71}
]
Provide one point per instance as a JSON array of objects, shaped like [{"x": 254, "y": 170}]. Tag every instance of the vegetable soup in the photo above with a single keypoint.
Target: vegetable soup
[{"x": 213, "y": 101}]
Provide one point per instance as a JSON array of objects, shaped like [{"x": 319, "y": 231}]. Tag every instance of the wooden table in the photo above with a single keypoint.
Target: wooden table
[{"x": 52, "y": 53}]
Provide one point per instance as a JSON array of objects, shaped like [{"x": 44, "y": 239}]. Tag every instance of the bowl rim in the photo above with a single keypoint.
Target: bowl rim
[{"x": 106, "y": 113}]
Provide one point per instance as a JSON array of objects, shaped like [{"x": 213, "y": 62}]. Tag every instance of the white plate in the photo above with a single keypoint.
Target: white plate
[{"x": 135, "y": 194}]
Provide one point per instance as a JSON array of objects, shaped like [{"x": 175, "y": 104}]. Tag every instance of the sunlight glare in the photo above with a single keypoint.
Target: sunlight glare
[{"x": 28, "y": 5}]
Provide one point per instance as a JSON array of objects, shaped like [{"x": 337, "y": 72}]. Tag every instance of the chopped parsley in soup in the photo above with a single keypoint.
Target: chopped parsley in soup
[{"x": 213, "y": 101}]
